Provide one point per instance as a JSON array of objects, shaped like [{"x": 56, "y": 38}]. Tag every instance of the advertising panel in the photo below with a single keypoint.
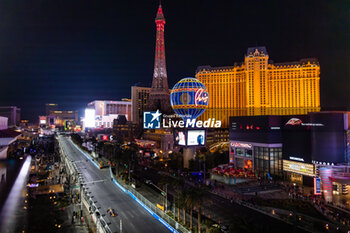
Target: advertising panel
[
  {"x": 329, "y": 141},
  {"x": 196, "y": 137},
  {"x": 299, "y": 168},
  {"x": 261, "y": 129},
  {"x": 296, "y": 138},
  {"x": 42, "y": 120},
  {"x": 89, "y": 121},
  {"x": 317, "y": 186},
  {"x": 180, "y": 137}
]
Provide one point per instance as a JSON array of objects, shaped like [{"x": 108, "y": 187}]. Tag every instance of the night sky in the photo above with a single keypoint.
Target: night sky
[{"x": 72, "y": 52}]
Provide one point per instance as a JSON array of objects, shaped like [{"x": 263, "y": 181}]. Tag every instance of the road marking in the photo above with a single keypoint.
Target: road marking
[
  {"x": 79, "y": 161},
  {"x": 88, "y": 157},
  {"x": 94, "y": 181}
]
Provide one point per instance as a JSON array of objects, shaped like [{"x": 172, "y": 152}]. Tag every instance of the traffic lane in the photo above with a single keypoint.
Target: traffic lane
[
  {"x": 134, "y": 217},
  {"x": 84, "y": 163},
  {"x": 85, "y": 167},
  {"x": 131, "y": 213}
]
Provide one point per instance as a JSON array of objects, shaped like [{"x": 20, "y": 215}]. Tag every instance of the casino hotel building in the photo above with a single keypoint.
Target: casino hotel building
[{"x": 258, "y": 86}]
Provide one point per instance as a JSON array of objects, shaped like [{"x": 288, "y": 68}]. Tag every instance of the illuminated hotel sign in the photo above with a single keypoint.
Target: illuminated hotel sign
[
  {"x": 241, "y": 145},
  {"x": 296, "y": 159},
  {"x": 294, "y": 121},
  {"x": 297, "y": 121},
  {"x": 201, "y": 96},
  {"x": 299, "y": 168}
]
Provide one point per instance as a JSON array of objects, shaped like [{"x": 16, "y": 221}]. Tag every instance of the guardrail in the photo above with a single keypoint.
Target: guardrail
[
  {"x": 161, "y": 216},
  {"x": 157, "y": 213}
]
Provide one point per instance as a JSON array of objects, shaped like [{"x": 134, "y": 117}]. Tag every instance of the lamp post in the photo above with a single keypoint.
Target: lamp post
[{"x": 166, "y": 198}]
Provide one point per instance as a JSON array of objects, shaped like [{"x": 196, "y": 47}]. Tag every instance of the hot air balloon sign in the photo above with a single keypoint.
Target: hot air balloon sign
[{"x": 189, "y": 98}]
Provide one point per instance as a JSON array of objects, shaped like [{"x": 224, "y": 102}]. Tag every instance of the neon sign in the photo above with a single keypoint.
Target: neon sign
[
  {"x": 294, "y": 121},
  {"x": 201, "y": 96},
  {"x": 241, "y": 145}
]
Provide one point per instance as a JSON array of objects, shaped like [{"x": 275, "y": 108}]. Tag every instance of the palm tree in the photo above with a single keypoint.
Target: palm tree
[
  {"x": 183, "y": 203},
  {"x": 190, "y": 204},
  {"x": 178, "y": 185},
  {"x": 197, "y": 201}
]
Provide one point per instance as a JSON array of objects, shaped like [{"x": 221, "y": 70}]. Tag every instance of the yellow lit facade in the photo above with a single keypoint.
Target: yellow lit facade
[{"x": 259, "y": 87}]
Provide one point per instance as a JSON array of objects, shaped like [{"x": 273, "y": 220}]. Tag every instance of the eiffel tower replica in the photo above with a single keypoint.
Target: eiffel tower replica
[{"x": 159, "y": 97}]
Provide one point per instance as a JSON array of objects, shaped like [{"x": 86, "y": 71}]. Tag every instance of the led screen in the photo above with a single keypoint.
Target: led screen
[
  {"x": 180, "y": 138},
  {"x": 196, "y": 138},
  {"x": 89, "y": 120}
]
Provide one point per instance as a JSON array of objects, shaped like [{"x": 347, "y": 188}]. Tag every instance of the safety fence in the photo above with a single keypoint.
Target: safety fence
[{"x": 159, "y": 214}]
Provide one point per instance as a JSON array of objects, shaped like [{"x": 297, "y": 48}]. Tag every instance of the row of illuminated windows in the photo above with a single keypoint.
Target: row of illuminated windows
[
  {"x": 274, "y": 70},
  {"x": 214, "y": 80},
  {"x": 104, "y": 124},
  {"x": 263, "y": 82},
  {"x": 237, "y": 75},
  {"x": 292, "y": 85},
  {"x": 272, "y": 74},
  {"x": 293, "y": 94}
]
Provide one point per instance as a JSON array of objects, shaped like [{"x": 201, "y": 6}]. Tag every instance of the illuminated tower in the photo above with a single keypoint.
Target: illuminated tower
[{"x": 159, "y": 95}]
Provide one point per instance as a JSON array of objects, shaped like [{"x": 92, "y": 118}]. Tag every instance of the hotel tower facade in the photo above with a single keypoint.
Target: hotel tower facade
[{"x": 258, "y": 86}]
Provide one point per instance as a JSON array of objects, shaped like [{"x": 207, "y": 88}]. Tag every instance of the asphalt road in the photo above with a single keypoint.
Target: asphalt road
[{"x": 134, "y": 217}]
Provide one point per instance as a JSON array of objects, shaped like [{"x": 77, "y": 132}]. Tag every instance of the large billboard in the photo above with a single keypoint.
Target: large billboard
[
  {"x": 89, "y": 120},
  {"x": 329, "y": 140},
  {"x": 190, "y": 137},
  {"x": 299, "y": 168},
  {"x": 260, "y": 129},
  {"x": 296, "y": 138},
  {"x": 42, "y": 120},
  {"x": 317, "y": 137},
  {"x": 180, "y": 137},
  {"x": 196, "y": 137}
]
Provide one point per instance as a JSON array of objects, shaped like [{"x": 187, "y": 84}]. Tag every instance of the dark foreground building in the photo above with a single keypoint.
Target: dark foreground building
[
  {"x": 13, "y": 114},
  {"x": 294, "y": 146}
]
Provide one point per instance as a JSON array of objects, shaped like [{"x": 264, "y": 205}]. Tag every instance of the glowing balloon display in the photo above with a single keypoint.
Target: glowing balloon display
[{"x": 189, "y": 98}]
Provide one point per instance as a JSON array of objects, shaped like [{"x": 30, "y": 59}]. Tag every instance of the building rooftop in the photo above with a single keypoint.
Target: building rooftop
[
  {"x": 260, "y": 49},
  {"x": 209, "y": 68},
  {"x": 124, "y": 100},
  {"x": 9, "y": 133},
  {"x": 300, "y": 62}
]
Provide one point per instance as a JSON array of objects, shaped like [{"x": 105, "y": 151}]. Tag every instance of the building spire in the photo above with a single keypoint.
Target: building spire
[
  {"x": 160, "y": 15},
  {"x": 159, "y": 95}
]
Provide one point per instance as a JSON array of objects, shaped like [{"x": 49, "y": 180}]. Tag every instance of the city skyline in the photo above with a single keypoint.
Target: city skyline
[
  {"x": 233, "y": 117},
  {"x": 69, "y": 55}
]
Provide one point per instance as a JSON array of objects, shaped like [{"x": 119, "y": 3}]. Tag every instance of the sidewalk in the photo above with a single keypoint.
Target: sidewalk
[{"x": 77, "y": 226}]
